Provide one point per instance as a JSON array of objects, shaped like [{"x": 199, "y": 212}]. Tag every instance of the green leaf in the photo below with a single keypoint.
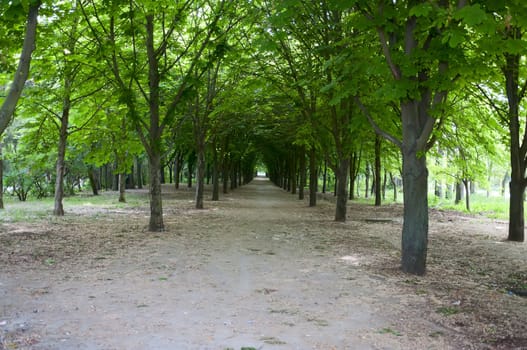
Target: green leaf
[
  {"x": 471, "y": 15},
  {"x": 421, "y": 10}
]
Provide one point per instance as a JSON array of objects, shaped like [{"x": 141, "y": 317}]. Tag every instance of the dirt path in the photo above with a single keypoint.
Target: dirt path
[{"x": 257, "y": 269}]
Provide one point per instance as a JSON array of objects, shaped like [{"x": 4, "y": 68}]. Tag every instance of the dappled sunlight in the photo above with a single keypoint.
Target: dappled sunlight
[{"x": 353, "y": 260}]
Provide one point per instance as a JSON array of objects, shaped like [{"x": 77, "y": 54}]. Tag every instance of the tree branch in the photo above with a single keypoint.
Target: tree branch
[{"x": 376, "y": 127}]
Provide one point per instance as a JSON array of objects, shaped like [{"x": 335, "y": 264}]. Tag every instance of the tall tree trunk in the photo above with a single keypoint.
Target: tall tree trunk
[
  {"x": 153, "y": 145},
  {"x": 367, "y": 184},
  {"x": 139, "y": 166},
  {"x": 384, "y": 182},
  {"x": 190, "y": 169},
  {"x": 466, "y": 183},
  {"x": 122, "y": 188},
  {"x": 378, "y": 143},
  {"x": 325, "y": 177},
  {"x": 313, "y": 178},
  {"x": 394, "y": 184},
  {"x": 292, "y": 172},
  {"x": 156, "y": 204},
  {"x": 517, "y": 149},
  {"x": 302, "y": 169},
  {"x": 342, "y": 189},
  {"x": 61, "y": 155},
  {"x": 92, "y": 177},
  {"x": 354, "y": 172},
  {"x": 459, "y": 193},
  {"x": 415, "y": 191},
  {"x": 200, "y": 174},
  {"x": 215, "y": 174},
  {"x": 225, "y": 174},
  {"x": 22, "y": 72},
  {"x": 415, "y": 226}
]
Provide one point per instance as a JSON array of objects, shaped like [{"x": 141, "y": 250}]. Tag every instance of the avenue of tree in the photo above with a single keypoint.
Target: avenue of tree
[{"x": 410, "y": 94}]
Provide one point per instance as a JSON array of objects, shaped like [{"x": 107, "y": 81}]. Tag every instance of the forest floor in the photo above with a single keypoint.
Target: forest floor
[{"x": 258, "y": 269}]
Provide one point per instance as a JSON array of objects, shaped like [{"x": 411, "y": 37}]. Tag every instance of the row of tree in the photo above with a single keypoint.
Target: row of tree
[{"x": 295, "y": 82}]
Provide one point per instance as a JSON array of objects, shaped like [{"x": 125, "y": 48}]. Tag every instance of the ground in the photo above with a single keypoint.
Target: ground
[{"x": 258, "y": 269}]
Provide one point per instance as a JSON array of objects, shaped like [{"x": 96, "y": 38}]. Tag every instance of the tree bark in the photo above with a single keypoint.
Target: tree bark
[
  {"x": 156, "y": 204},
  {"x": 200, "y": 174},
  {"x": 342, "y": 189},
  {"x": 313, "y": 178},
  {"x": 378, "y": 143},
  {"x": 415, "y": 190},
  {"x": 292, "y": 172},
  {"x": 59, "y": 180},
  {"x": 22, "y": 72},
  {"x": 325, "y": 177},
  {"x": 367, "y": 184},
  {"x": 153, "y": 145},
  {"x": 139, "y": 166},
  {"x": 302, "y": 170},
  {"x": 466, "y": 183},
  {"x": 354, "y": 172},
  {"x": 92, "y": 177},
  {"x": 415, "y": 226},
  {"x": 61, "y": 154},
  {"x": 394, "y": 184},
  {"x": 215, "y": 174},
  {"x": 459, "y": 193},
  {"x": 518, "y": 150},
  {"x": 122, "y": 188}
]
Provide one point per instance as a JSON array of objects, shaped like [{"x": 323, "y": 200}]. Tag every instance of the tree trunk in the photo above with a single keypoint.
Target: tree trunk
[
  {"x": 415, "y": 226},
  {"x": 92, "y": 177},
  {"x": 459, "y": 193},
  {"x": 139, "y": 166},
  {"x": 302, "y": 165},
  {"x": 122, "y": 188},
  {"x": 517, "y": 149},
  {"x": 378, "y": 143},
  {"x": 394, "y": 184},
  {"x": 367, "y": 184},
  {"x": 384, "y": 182},
  {"x": 61, "y": 155},
  {"x": 325, "y": 177},
  {"x": 190, "y": 169},
  {"x": 516, "y": 211},
  {"x": 292, "y": 172},
  {"x": 156, "y": 204},
  {"x": 342, "y": 190},
  {"x": 215, "y": 175},
  {"x": 200, "y": 174},
  {"x": 466, "y": 183},
  {"x": 22, "y": 72},
  {"x": 313, "y": 178}
]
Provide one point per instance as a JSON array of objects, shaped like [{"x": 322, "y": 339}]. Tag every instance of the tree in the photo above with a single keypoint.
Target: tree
[
  {"x": 502, "y": 38},
  {"x": 170, "y": 38},
  {"x": 422, "y": 46},
  {"x": 22, "y": 72}
]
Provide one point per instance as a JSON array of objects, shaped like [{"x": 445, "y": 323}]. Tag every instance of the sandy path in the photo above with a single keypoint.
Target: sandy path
[{"x": 257, "y": 269}]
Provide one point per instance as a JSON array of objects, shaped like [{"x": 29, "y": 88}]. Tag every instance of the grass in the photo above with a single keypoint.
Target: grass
[
  {"x": 34, "y": 209},
  {"x": 492, "y": 207}
]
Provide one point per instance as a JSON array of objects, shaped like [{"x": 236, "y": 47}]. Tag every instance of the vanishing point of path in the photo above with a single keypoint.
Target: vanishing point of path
[{"x": 258, "y": 269}]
